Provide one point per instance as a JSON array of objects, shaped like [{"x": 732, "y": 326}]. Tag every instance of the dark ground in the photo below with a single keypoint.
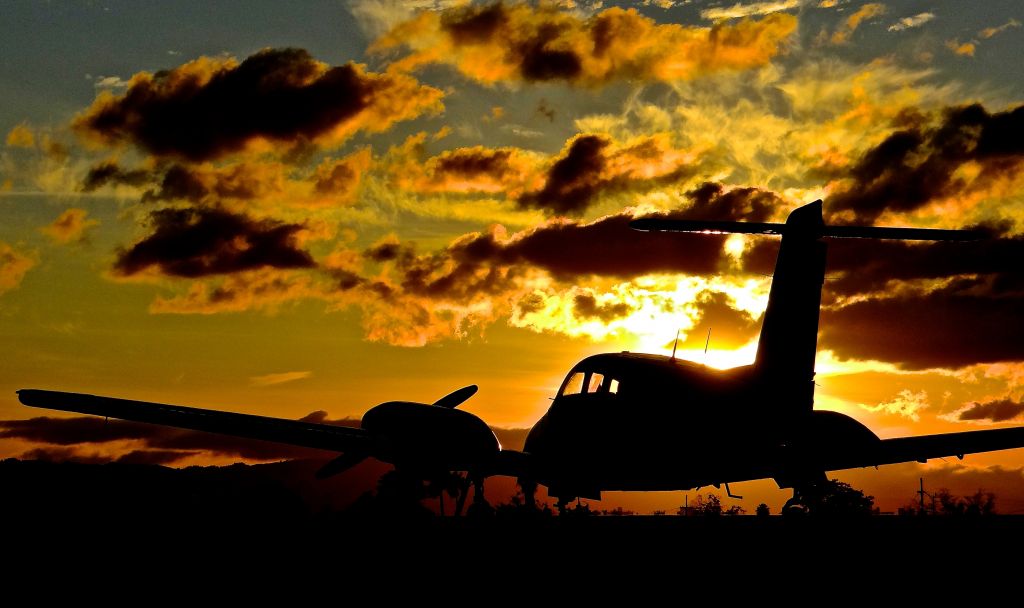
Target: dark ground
[{"x": 237, "y": 521}]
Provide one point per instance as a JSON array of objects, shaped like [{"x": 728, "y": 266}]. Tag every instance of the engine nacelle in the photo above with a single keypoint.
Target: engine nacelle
[{"x": 419, "y": 436}]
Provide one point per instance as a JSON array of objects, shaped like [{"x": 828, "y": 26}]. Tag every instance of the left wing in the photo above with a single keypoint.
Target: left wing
[
  {"x": 908, "y": 449},
  {"x": 280, "y": 430}
]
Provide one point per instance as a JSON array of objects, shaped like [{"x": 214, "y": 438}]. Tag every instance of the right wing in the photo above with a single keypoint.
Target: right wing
[
  {"x": 280, "y": 430},
  {"x": 922, "y": 448}
]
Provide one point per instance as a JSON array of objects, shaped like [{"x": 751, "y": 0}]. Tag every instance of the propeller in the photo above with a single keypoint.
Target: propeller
[
  {"x": 351, "y": 458},
  {"x": 456, "y": 398}
]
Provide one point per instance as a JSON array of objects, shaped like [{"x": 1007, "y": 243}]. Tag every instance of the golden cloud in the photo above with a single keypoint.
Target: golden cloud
[
  {"x": 21, "y": 136},
  {"x": 13, "y": 267},
  {"x": 70, "y": 226},
  {"x": 520, "y": 42},
  {"x": 989, "y": 32},
  {"x": 964, "y": 49},
  {"x": 470, "y": 170},
  {"x": 336, "y": 180},
  {"x": 843, "y": 34}
]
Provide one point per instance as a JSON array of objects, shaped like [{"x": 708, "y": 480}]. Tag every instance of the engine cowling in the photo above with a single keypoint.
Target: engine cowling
[{"x": 419, "y": 436}]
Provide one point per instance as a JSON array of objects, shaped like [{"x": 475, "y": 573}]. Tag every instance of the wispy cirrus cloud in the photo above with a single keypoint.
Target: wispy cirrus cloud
[
  {"x": 739, "y": 10},
  {"x": 278, "y": 378},
  {"x": 906, "y": 23}
]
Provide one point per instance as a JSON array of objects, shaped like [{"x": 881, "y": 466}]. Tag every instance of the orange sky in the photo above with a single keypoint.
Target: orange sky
[{"x": 291, "y": 211}]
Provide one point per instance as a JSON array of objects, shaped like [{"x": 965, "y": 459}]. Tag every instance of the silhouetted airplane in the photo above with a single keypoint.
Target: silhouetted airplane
[{"x": 627, "y": 421}]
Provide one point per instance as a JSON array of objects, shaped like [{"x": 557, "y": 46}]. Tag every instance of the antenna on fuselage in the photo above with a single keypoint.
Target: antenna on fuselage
[{"x": 675, "y": 345}]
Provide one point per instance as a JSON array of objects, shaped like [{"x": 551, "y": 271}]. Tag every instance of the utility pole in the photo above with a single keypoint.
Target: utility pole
[{"x": 921, "y": 494}]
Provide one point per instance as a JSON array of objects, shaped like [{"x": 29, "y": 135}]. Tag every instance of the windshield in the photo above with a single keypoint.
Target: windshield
[{"x": 584, "y": 382}]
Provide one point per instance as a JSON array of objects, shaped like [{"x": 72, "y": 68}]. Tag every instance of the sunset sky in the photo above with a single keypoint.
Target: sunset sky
[{"x": 309, "y": 207}]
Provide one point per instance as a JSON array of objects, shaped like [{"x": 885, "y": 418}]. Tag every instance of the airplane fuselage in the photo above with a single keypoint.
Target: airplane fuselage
[{"x": 625, "y": 421}]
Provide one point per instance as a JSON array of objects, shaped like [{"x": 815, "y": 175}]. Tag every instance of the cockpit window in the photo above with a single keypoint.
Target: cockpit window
[
  {"x": 574, "y": 385},
  {"x": 590, "y": 383}
]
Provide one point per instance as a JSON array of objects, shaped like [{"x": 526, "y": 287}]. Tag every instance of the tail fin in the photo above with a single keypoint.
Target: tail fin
[{"x": 789, "y": 332}]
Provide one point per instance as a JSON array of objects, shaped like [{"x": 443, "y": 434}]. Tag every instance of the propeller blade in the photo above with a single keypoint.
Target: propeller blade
[
  {"x": 456, "y": 398},
  {"x": 341, "y": 464}
]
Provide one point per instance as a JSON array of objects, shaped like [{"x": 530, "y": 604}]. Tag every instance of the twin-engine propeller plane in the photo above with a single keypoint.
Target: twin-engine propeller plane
[{"x": 626, "y": 421}]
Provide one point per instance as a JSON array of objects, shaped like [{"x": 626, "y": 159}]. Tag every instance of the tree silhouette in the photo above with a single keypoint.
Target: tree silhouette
[
  {"x": 710, "y": 505},
  {"x": 762, "y": 510},
  {"x": 944, "y": 502},
  {"x": 842, "y": 499}
]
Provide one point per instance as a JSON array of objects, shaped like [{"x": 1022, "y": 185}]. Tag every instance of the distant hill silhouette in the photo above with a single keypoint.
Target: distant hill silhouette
[{"x": 70, "y": 492}]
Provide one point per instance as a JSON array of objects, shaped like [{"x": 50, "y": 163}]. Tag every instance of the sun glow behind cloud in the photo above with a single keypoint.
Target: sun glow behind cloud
[{"x": 650, "y": 311}]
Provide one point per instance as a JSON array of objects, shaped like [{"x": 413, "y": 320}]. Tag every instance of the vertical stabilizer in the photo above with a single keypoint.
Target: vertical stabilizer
[{"x": 789, "y": 332}]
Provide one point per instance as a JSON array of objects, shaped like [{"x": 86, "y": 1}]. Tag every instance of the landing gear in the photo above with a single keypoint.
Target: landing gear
[
  {"x": 460, "y": 501},
  {"x": 529, "y": 488},
  {"x": 480, "y": 506},
  {"x": 807, "y": 496},
  {"x": 563, "y": 504}
]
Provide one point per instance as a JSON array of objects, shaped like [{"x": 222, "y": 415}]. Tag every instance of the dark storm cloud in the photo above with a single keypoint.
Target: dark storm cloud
[
  {"x": 605, "y": 247},
  {"x": 994, "y": 411},
  {"x": 69, "y": 431},
  {"x": 535, "y": 60},
  {"x": 389, "y": 251},
  {"x": 573, "y": 180},
  {"x": 730, "y": 327},
  {"x": 163, "y": 445},
  {"x": 958, "y": 325},
  {"x": 919, "y": 164},
  {"x": 185, "y": 183},
  {"x": 919, "y": 304},
  {"x": 856, "y": 266},
  {"x": 609, "y": 247},
  {"x": 110, "y": 173},
  {"x": 208, "y": 108},
  {"x": 712, "y": 202},
  {"x": 178, "y": 183},
  {"x": 154, "y": 456},
  {"x": 65, "y": 454},
  {"x": 486, "y": 263},
  {"x": 474, "y": 162},
  {"x": 199, "y": 242},
  {"x": 591, "y": 166},
  {"x": 586, "y": 306}
]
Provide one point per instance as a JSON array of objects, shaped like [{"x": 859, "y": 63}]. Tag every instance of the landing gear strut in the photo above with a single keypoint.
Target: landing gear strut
[
  {"x": 807, "y": 496},
  {"x": 480, "y": 506},
  {"x": 529, "y": 488}
]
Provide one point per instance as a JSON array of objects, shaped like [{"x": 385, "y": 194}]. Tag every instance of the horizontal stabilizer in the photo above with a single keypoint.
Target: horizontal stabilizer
[{"x": 837, "y": 232}]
